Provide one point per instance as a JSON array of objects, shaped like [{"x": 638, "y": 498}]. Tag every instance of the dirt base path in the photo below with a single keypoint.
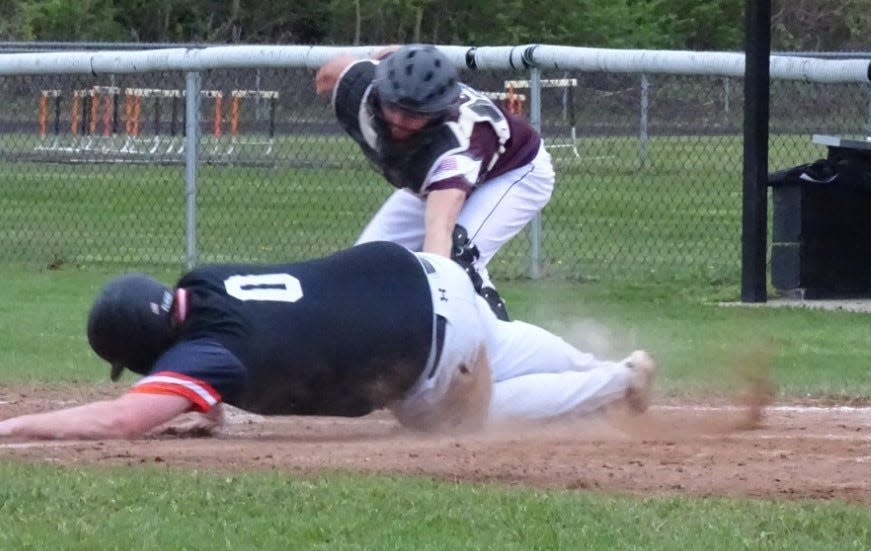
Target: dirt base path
[{"x": 791, "y": 451}]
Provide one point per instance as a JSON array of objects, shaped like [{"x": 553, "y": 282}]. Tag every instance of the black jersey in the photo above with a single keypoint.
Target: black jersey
[{"x": 341, "y": 335}]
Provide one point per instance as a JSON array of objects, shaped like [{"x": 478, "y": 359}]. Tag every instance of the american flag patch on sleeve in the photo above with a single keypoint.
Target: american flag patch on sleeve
[{"x": 457, "y": 165}]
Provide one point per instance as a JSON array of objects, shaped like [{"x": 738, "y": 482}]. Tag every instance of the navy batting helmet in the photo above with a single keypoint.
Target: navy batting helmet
[
  {"x": 129, "y": 324},
  {"x": 417, "y": 78}
]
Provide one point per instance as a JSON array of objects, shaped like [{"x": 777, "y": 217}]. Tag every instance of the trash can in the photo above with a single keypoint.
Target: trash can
[{"x": 821, "y": 224}]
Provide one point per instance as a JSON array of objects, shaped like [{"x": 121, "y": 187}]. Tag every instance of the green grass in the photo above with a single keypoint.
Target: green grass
[
  {"x": 656, "y": 247},
  {"x": 674, "y": 217},
  {"x": 152, "y": 508},
  {"x": 703, "y": 346}
]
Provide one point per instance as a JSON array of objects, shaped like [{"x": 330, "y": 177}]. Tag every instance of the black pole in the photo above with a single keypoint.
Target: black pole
[
  {"x": 754, "y": 237},
  {"x": 86, "y": 114},
  {"x": 115, "y": 94},
  {"x": 57, "y": 115},
  {"x": 174, "y": 119},
  {"x": 272, "y": 102},
  {"x": 570, "y": 100},
  {"x": 157, "y": 102}
]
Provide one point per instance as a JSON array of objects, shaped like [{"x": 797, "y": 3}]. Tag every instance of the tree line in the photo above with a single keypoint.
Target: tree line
[{"x": 809, "y": 25}]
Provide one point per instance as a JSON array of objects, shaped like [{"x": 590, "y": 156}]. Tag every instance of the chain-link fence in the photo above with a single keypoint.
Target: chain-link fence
[{"x": 92, "y": 168}]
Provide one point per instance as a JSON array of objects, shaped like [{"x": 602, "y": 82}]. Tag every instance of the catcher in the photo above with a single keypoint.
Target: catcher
[
  {"x": 460, "y": 162},
  {"x": 374, "y": 326}
]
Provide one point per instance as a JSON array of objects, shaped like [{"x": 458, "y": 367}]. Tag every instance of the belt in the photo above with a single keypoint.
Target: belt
[
  {"x": 438, "y": 344},
  {"x": 427, "y": 265},
  {"x": 439, "y": 324}
]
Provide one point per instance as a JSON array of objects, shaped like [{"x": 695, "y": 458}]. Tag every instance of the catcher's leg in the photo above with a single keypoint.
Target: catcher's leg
[
  {"x": 400, "y": 220},
  {"x": 501, "y": 207}
]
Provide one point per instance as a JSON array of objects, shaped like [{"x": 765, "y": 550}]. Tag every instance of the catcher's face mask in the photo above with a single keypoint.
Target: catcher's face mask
[{"x": 403, "y": 124}]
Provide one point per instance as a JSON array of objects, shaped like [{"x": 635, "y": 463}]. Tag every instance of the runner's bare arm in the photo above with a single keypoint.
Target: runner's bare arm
[
  {"x": 129, "y": 416},
  {"x": 195, "y": 424}
]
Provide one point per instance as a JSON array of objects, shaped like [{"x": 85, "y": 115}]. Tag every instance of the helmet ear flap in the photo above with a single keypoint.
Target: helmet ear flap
[
  {"x": 115, "y": 374},
  {"x": 129, "y": 324}
]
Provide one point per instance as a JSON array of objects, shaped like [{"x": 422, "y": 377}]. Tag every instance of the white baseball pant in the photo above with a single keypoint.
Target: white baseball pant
[
  {"x": 535, "y": 374},
  {"x": 494, "y": 212},
  {"x": 539, "y": 376}
]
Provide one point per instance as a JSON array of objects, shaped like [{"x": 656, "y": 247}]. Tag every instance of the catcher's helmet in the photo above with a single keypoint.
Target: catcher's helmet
[
  {"x": 129, "y": 324},
  {"x": 417, "y": 78}
]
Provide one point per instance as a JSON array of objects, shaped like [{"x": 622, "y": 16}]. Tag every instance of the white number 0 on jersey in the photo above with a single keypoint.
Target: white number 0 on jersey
[{"x": 267, "y": 287}]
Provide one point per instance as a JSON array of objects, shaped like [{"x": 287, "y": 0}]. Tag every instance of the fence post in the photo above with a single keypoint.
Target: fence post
[
  {"x": 642, "y": 128},
  {"x": 727, "y": 102},
  {"x": 868, "y": 121},
  {"x": 535, "y": 223},
  {"x": 192, "y": 149}
]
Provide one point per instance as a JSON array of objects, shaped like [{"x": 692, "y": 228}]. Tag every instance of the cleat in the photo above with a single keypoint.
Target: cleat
[{"x": 640, "y": 390}]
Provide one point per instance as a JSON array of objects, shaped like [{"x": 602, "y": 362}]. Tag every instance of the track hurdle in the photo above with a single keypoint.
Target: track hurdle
[
  {"x": 132, "y": 115},
  {"x": 236, "y": 97},
  {"x": 107, "y": 98},
  {"x": 44, "y": 96},
  {"x": 512, "y": 102},
  {"x": 88, "y": 107},
  {"x": 176, "y": 139},
  {"x": 568, "y": 85},
  {"x": 83, "y": 118},
  {"x": 137, "y": 120},
  {"x": 104, "y": 105},
  {"x": 217, "y": 121},
  {"x": 133, "y": 120},
  {"x": 133, "y": 100}
]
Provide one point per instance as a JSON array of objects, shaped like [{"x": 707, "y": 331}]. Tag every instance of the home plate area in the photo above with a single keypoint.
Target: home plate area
[{"x": 814, "y": 449}]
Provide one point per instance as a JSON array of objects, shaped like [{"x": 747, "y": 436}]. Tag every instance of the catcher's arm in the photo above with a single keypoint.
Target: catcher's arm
[
  {"x": 386, "y": 51},
  {"x": 328, "y": 75},
  {"x": 129, "y": 416},
  {"x": 440, "y": 216}
]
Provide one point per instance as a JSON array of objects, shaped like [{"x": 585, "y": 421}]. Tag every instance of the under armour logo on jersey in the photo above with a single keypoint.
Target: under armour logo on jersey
[{"x": 444, "y": 297}]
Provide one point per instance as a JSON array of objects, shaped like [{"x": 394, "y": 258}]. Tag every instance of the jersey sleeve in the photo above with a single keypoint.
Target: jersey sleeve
[
  {"x": 467, "y": 164},
  {"x": 454, "y": 171},
  {"x": 350, "y": 92},
  {"x": 203, "y": 371}
]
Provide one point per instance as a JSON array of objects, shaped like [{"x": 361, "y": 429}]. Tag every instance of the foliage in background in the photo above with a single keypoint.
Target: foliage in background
[
  {"x": 671, "y": 24},
  {"x": 818, "y": 25}
]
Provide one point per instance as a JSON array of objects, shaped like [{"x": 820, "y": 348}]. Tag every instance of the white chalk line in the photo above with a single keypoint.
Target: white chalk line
[
  {"x": 42, "y": 444},
  {"x": 751, "y": 435},
  {"x": 860, "y": 411}
]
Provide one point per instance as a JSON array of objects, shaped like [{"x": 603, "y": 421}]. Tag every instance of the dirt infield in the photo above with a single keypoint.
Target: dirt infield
[{"x": 809, "y": 450}]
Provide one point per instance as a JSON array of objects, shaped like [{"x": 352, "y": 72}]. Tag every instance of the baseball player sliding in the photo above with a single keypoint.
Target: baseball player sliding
[
  {"x": 370, "y": 327},
  {"x": 459, "y": 161}
]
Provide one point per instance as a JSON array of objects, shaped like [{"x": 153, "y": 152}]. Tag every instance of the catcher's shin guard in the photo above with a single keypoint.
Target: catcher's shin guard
[{"x": 465, "y": 253}]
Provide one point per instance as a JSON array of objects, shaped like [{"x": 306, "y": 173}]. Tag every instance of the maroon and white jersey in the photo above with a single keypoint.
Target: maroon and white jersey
[{"x": 476, "y": 142}]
